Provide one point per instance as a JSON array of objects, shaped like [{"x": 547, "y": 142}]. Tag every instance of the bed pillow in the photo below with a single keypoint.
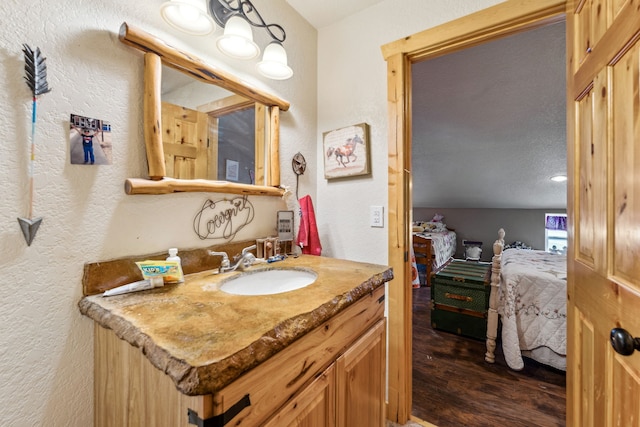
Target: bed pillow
[{"x": 434, "y": 226}]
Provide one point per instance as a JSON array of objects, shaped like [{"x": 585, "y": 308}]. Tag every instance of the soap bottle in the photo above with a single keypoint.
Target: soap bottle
[{"x": 173, "y": 256}]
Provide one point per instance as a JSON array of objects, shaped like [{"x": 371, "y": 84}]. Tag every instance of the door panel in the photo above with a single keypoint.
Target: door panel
[
  {"x": 604, "y": 210},
  {"x": 626, "y": 136},
  {"x": 585, "y": 356},
  {"x": 360, "y": 383},
  {"x": 591, "y": 159},
  {"x": 585, "y": 222},
  {"x": 184, "y": 140},
  {"x": 313, "y": 407},
  {"x": 616, "y": 6}
]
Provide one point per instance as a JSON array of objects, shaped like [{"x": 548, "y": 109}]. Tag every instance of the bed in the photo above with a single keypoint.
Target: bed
[
  {"x": 529, "y": 294},
  {"x": 432, "y": 248}
]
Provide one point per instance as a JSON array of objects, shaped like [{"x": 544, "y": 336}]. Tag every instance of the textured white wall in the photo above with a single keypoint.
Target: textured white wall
[
  {"x": 352, "y": 88},
  {"x": 46, "y": 346}
]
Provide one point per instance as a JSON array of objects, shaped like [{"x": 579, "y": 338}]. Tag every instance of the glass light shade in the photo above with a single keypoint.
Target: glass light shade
[
  {"x": 274, "y": 63},
  {"x": 189, "y": 16},
  {"x": 237, "y": 40}
]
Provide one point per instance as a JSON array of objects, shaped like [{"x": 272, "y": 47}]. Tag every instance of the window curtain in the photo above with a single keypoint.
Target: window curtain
[{"x": 556, "y": 222}]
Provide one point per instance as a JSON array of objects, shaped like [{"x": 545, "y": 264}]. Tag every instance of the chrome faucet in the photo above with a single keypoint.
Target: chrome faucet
[
  {"x": 225, "y": 265},
  {"x": 245, "y": 260}
]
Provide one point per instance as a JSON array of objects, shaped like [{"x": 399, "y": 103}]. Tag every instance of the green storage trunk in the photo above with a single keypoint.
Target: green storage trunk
[{"x": 460, "y": 298}]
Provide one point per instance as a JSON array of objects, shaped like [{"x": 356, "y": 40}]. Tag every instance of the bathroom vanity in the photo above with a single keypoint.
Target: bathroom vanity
[{"x": 191, "y": 354}]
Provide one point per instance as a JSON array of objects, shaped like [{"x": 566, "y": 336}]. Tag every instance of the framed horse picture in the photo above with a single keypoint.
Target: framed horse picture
[{"x": 347, "y": 152}]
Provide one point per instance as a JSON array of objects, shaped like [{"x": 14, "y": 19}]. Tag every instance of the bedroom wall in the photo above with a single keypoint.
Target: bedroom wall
[
  {"x": 352, "y": 89},
  {"x": 525, "y": 225}
]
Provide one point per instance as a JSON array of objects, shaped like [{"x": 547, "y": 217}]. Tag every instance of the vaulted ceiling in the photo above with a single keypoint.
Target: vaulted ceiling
[{"x": 489, "y": 124}]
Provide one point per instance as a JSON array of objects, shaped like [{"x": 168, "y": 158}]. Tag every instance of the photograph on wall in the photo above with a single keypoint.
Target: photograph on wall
[
  {"x": 89, "y": 141},
  {"x": 232, "y": 170},
  {"x": 347, "y": 152}
]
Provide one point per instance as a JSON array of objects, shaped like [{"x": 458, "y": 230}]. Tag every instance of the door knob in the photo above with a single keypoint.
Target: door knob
[{"x": 623, "y": 343}]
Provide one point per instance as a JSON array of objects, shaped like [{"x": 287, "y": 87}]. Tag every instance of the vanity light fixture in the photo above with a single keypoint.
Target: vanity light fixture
[
  {"x": 274, "y": 62},
  {"x": 189, "y": 16},
  {"x": 237, "y": 40},
  {"x": 236, "y": 17}
]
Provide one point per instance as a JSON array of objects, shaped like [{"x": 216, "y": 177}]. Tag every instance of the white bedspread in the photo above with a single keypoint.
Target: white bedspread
[
  {"x": 444, "y": 246},
  {"x": 533, "y": 307}
]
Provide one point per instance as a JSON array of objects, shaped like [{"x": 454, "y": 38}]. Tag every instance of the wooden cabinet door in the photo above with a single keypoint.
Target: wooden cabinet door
[
  {"x": 603, "y": 85},
  {"x": 360, "y": 381},
  {"x": 184, "y": 141},
  {"x": 313, "y": 407}
]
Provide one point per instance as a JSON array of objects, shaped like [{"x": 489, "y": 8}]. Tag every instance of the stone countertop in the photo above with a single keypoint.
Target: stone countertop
[{"x": 204, "y": 338}]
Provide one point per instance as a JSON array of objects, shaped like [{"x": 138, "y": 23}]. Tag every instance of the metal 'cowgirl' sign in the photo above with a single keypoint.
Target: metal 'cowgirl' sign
[{"x": 223, "y": 219}]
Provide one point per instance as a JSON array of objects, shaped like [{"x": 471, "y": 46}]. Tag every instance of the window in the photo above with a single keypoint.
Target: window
[{"x": 555, "y": 233}]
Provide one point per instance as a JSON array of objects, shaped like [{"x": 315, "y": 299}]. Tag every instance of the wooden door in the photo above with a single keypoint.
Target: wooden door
[
  {"x": 313, "y": 407},
  {"x": 360, "y": 381},
  {"x": 184, "y": 140},
  {"x": 603, "y": 386}
]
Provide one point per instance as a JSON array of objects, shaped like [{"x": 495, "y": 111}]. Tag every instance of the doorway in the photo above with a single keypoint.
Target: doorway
[
  {"x": 509, "y": 17},
  {"x": 488, "y": 132}
]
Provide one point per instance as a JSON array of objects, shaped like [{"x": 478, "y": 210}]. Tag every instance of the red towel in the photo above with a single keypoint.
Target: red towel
[{"x": 308, "y": 238}]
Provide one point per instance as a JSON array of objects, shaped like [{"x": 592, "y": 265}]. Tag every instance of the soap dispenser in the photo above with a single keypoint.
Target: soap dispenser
[{"x": 173, "y": 256}]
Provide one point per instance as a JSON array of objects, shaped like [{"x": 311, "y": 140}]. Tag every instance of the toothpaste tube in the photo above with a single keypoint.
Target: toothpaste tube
[
  {"x": 141, "y": 285},
  {"x": 275, "y": 258},
  {"x": 169, "y": 270}
]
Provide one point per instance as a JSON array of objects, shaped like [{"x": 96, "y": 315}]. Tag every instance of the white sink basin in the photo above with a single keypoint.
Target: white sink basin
[{"x": 268, "y": 282}]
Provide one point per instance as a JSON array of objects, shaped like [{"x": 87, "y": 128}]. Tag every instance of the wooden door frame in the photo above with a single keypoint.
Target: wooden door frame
[{"x": 509, "y": 17}]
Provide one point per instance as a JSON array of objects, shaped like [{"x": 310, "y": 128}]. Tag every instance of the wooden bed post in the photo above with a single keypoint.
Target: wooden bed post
[{"x": 492, "y": 320}]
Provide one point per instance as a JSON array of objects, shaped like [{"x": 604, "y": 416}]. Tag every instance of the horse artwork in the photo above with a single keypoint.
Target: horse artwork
[{"x": 347, "y": 151}]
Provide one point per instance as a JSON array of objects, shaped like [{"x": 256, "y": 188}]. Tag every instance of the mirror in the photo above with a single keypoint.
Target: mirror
[
  {"x": 182, "y": 162},
  {"x": 211, "y": 133}
]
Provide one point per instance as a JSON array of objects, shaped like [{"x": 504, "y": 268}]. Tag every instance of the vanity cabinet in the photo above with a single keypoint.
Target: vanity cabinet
[
  {"x": 332, "y": 376},
  {"x": 350, "y": 392}
]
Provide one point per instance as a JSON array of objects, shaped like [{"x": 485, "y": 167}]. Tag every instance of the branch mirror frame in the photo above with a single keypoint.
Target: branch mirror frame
[{"x": 157, "y": 53}]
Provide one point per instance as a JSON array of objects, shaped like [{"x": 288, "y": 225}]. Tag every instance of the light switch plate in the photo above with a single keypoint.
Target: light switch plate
[{"x": 376, "y": 218}]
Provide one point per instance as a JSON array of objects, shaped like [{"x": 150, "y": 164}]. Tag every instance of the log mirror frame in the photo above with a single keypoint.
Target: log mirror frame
[{"x": 157, "y": 52}]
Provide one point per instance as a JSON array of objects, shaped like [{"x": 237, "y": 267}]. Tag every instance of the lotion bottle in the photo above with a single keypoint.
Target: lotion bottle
[{"x": 173, "y": 256}]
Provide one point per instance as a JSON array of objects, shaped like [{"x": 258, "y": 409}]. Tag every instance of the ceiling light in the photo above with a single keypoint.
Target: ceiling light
[
  {"x": 559, "y": 178},
  {"x": 236, "y": 17},
  {"x": 189, "y": 16}
]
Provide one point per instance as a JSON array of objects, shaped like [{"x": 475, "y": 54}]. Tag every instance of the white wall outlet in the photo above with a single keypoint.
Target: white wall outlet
[{"x": 376, "y": 218}]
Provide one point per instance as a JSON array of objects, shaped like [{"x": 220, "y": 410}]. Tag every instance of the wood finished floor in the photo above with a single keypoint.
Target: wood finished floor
[{"x": 453, "y": 386}]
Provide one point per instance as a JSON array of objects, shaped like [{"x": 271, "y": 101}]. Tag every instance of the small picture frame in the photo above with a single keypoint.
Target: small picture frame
[
  {"x": 232, "y": 170},
  {"x": 89, "y": 141},
  {"x": 347, "y": 152}
]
